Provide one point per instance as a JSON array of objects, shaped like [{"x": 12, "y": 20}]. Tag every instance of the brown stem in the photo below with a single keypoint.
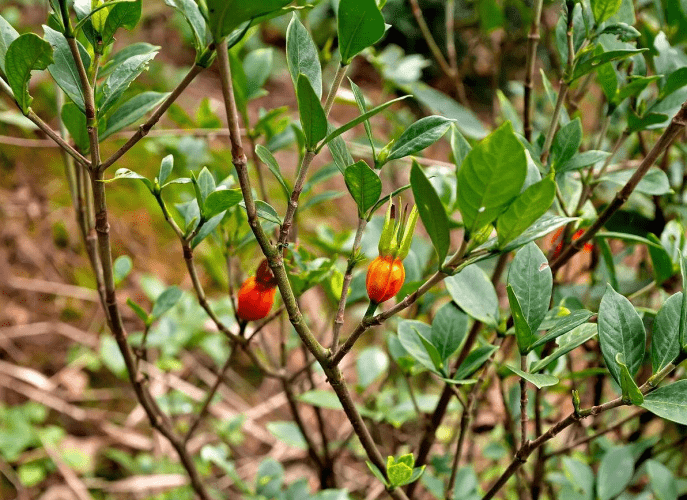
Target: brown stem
[
  {"x": 523, "y": 403},
  {"x": 429, "y": 38},
  {"x": 532, "y": 42},
  {"x": 451, "y": 51}
]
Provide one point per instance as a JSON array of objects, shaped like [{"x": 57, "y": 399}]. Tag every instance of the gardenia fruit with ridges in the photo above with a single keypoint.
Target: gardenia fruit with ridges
[{"x": 256, "y": 295}]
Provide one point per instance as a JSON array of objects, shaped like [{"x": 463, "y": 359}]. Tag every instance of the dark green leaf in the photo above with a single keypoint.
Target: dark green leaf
[
  {"x": 675, "y": 81},
  {"x": 474, "y": 293},
  {"x": 665, "y": 341},
  {"x": 122, "y": 15},
  {"x": 121, "y": 78},
  {"x": 590, "y": 63},
  {"x": 523, "y": 332},
  {"x": 257, "y": 67},
  {"x": 582, "y": 160},
  {"x": 26, "y": 53},
  {"x": 63, "y": 69},
  {"x": 491, "y": 177},
  {"x": 622, "y": 30},
  {"x": 608, "y": 79},
  {"x": 604, "y": 9},
  {"x": 75, "y": 122},
  {"x": 615, "y": 472},
  {"x": 474, "y": 361},
  {"x": 448, "y": 330},
  {"x": 543, "y": 226},
  {"x": 669, "y": 402},
  {"x": 419, "y": 135},
  {"x": 224, "y": 16},
  {"x": 538, "y": 379},
  {"x": 165, "y": 301},
  {"x": 363, "y": 184},
  {"x": 302, "y": 55},
  {"x": 268, "y": 159},
  {"x": 631, "y": 392},
  {"x": 189, "y": 9},
  {"x": 360, "y": 24},
  {"x": 313, "y": 119},
  {"x": 566, "y": 143},
  {"x": 660, "y": 260},
  {"x": 7, "y": 35},
  {"x": 132, "y": 110},
  {"x": 567, "y": 343},
  {"x": 432, "y": 211},
  {"x": 620, "y": 331},
  {"x": 527, "y": 208},
  {"x": 360, "y": 101},
  {"x": 220, "y": 200},
  {"x": 563, "y": 326},
  {"x": 135, "y": 49},
  {"x": 634, "y": 87}
]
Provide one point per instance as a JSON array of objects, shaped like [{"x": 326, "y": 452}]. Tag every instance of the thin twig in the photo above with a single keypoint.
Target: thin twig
[
  {"x": 532, "y": 43},
  {"x": 429, "y": 38}
]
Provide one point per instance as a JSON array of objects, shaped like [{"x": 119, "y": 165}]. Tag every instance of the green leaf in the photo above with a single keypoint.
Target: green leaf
[
  {"x": 449, "y": 327},
  {"x": 63, "y": 69},
  {"x": 122, "y": 15},
  {"x": 543, "y": 226},
  {"x": 563, "y": 326},
  {"x": 474, "y": 293},
  {"x": 313, "y": 119},
  {"x": 491, "y": 177},
  {"x": 121, "y": 268},
  {"x": 531, "y": 281},
  {"x": 591, "y": 62},
  {"x": 7, "y": 35},
  {"x": 208, "y": 227},
  {"x": 112, "y": 356},
  {"x": 527, "y": 208},
  {"x": 360, "y": 101},
  {"x": 432, "y": 211},
  {"x": 268, "y": 159},
  {"x": 132, "y": 110},
  {"x": 662, "y": 481},
  {"x": 441, "y": 104},
  {"x": 32, "y": 473},
  {"x": 75, "y": 121},
  {"x": 459, "y": 147},
  {"x": 339, "y": 151},
  {"x": 660, "y": 260},
  {"x": 581, "y": 477},
  {"x": 360, "y": 24},
  {"x": 135, "y": 49},
  {"x": 608, "y": 80},
  {"x": 331, "y": 135},
  {"x": 567, "y": 343},
  {"x": 582, "y": 160},
  {"x": 675, "y": 81},
  {"x": 421, "y": 134},
  {"x": 566, "y": 143},
  {"x": 683, "y": 314},
  {"x": 523, "y": 332},
  {"x": 220, "y": 200},
  {"x": 372, "y": 362},
  {"x": 622, "y": 30},
  {"x": 474, "y": 361},
  {"x": 302, "y": 55},
  {"x": 121, "y": 78},
  {"x": 165, "y": 301},
  {"x": 257, "y": 67},
  {"x": 364, "y": 185},
  {"x": 265, "y": 211},
  {"x": 377, "y": 473},
  {"x": 669, "y": 402},
  {"x": 189, "y": 9},
  {"x": 269, "y": 478},
  {"x": 140, "y": 312},
  {"x": 620, "y": 331},
  {"x": 654, "y": 183},
  {"x": 289, "y": 433},
  {"x": 665, "y": 341},
  {"x": 386, "y": 198},
  {"x": 631, "y": 392},
  {"x": 636, "y": 85},
  {"x": 206, "y": 185},
  {"x": 410, "y": 334},
  {"x": 26, "y": 53},
  {"x": 166, "y": 166},
  {"x": 322, "y": 399},
  {"x": 615, "y": 472},
  {"x": 224, "y": 16},
  {"x": 433, "y": 354},
  {"x": 538, "y": 379},
  {"x": 125, "y": 173},
  {"x": 399, "y": 473},
  {"x": 604, "y": 9}
]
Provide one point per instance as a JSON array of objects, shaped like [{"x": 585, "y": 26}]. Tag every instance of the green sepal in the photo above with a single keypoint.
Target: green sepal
[
  {"x": 408, "y": 231},
  {"x": 631, "y": 393},
  {"x": 388, "y": 243}
]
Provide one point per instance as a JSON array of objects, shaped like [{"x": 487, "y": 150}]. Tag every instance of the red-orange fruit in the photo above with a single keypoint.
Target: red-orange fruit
[
  {"x": 385, "y": 277},
  {"x": 256, "y": 295}
]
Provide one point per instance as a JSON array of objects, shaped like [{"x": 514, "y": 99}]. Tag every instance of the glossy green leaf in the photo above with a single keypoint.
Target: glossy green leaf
[
  {"x": 121, "y": 78},
  {"x": 268, "y": 159},
  {"x": 665, "y": 341},
  {"x": 224, "y": 16},
  {"x": 474, "y": 293},
  {"x": 566, "y": 142},
  {"x": 608, "y": 80},
  {"x": 410, "y": 334},
  {"x": 432, "y": 211},
  {"x": 591, "y": 62},
  {"x": 582, "y": 160},
  {"x": 206, "y": 185},
  {"x": 7, "y": 35},
  {"x": 527, "y": 208},
  {"x": 265, "y": 211},
  {"x": 189, "y": 9},
  {"x": 302, "y": 55},
  {"x": 669, "y": 402},
  {"x": 131, "y": 111},
  {"x": 26, "y": 53},
  {"x": 421, "y": 134},
  {"x": 220, "y": 200},
  {"x": 660, "y": 260},
  {"x": 125, "y": 173},
  {"x": 635, "y": 87},
  {"x": 491, "y": 177},
  {"x": 567, "y": 343},
  {"x": 166, "y": 166},
  {"x": 474, "y": 361},
  {"x": 604, "y": 9},
  {"x": 364, "y": 185},
  {"x": 114, "y": 60},
  {"x": 360, "y": 101},
  {"x": 564, "y": 325},
  {"x": 675, "y": 81},
  {"x": 538, "y": 379},
  {"x": 313, "y": 119},
  {"x": 449, "y": 327},
  {"x": 543, "y": 226},
  {"x": 75, "y": 121},
  {"x": 122, "y": 15},
  {"x": 459, "y": 147},
  {"x": 165, "y": 301},
  {"x": 63, "y": 69},
  {"x": 523, "y": 332},
  {"x": 630, "y": 391},
  {"x": 620, "y": 331},
  {"x": 654, "y": 183},
  {"x": 360, "y": 24},
  {"x": 531, "y": 280},
  {"x": 615, "y": 472},
  {"x": 257, "y": 66},
  {"x": 372, "y": 362}
]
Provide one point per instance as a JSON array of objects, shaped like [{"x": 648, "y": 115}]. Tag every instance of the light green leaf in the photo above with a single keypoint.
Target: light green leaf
[
  {"x": 615, "y": 472},
  {"x": 567, "y": 343},
  {"x": 166, "y": 166},
  {"x": 543, "y": 226},
  {"x": 449, "y": 327},
  {"x": 421, "y": 134},
  {"x": 665, "y": 341},
  {"x": 410, "y": 334},
  {"x": 474, "y": 361},
  {"x": 322, "y": 399},
  {"x": 289, "y": 433},
  {"x": 591, "y": 62},
  {"x": 125, "y": 173},
  {"x": 189, "y": 9},
  {"x": 364, "y": 185},
  {"x": 165, "y": 301},
  {"x": 620, "y": 331},
  {"x": 372, "y": 362},
  {"x": 7, "y": 35},
  {"x": 75, "y": 121},
  {"x": 360, "y": 101},
  {"x": 360, "y": 24},
  {"x": 302, "y": 55},
  {"x": 566, "y": 143},
  {"x": 63, "y": 69},
  {"x": 313, "y": 119},
  {"x": 268, "y": 159},
  {"x": 669, "y": 402},
  {"x": 654, "y": 183},
  {"x": 527, "y": 208},
  {"x": 474, "y": 293},
  {"x": 132, "y": 110},
  {"x": 631, "y": 392},
  {"x": 121, "y": 78},
  {"x": 662, "y": 481},
  {"x": 582, "y": 160},
  {"x": 26, "y": 53},
  {"x": 538, "y": 379},
  {"x": 604, "y": 9},
  {"x": 220, "y": 200},
  {"x": 432, "y": 211},
  {"x": 121, "y": 268},
  {"x": 563, "y": 326},
  {"x": 491, "y": 177}
]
